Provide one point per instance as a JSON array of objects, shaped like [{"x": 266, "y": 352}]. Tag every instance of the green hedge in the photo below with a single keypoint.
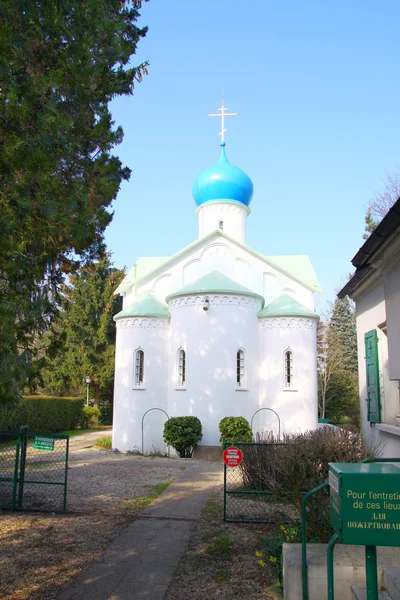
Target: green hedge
[
  {"x": 183, "y": 434},
  {"x": 43, "y": 414},
  {"x": 234, "y": 429}
]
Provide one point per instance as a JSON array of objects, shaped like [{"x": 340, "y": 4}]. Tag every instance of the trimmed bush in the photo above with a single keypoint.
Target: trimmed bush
[
  {"x": 183, "y": 434},
  {"x": 234, "y": 429},
  {"x": 89, "y": 416},
  {"x": 42, "y": 414}
]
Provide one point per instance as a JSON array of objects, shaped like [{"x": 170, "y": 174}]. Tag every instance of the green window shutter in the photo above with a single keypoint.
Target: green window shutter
[{"x": 373, "y": 384}]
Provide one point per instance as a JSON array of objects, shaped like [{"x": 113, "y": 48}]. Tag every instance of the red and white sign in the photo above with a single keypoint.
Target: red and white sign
[{"x": 233, "y": 456}]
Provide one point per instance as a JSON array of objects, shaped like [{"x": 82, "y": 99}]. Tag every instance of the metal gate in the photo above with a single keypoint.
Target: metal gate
[
  {"x": 249, "y": 496},
  {"x": 33, "y": 471}
]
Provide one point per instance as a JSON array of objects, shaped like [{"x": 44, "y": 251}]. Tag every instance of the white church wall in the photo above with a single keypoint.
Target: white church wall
[
  {"x": 227, "y": 216},
  {"x": 130, "y": 402},
  {"x": 211, "y": 340},
  {"x": 233, "y": 261},
  {"x": 297, "y": 406}
]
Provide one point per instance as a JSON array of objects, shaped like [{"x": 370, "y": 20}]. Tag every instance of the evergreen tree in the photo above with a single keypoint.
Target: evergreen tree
[
  {"x": 370, "y": 224},
  {"x": 83, "y": 337},
  {"x": 60, "y": 65},
  {"x": 343, "y": 325},
  {"x": 337, "y": 364}
]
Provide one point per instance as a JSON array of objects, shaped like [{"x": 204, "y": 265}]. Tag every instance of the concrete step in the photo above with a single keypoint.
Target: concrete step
[
  {"x": 360, "y": 593},
  {"x": 391, "y": 578}
]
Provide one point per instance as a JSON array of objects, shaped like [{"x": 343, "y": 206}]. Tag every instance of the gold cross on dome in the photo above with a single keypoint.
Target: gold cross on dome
[{"x": 222, "y": 114}]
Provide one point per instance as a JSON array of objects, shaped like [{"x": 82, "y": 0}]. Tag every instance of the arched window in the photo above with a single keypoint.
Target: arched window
[
  {"x": 221, "y": 225},
  {"x": 288, "y": 368},
  {"x": 139, "y": 368},
  {"x": 240, "y": 372},
  {"x": 181, "y": 367}
]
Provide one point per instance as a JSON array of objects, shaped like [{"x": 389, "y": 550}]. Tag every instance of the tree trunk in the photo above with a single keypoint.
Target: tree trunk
[{"x": 96, "y": 401}]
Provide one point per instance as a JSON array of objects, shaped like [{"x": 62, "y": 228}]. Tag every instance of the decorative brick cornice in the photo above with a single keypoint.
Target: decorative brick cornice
[
  {"x": 302, "y": 324},
  {"x": 142, "y": 323}
]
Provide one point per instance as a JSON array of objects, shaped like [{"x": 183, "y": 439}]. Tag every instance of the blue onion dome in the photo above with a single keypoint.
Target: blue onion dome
[{"x": 223, "y": 182}]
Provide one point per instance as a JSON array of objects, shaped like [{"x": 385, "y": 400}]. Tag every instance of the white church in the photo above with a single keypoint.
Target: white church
[{"x": 217, "y": 329}]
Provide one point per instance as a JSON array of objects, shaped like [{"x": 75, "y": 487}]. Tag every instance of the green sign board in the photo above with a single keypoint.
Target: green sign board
[
  {"x": 43, "y": 443},
  {"x": 365, "y": 503}
]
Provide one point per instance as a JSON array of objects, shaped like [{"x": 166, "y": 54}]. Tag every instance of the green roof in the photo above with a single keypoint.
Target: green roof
[
  {"x": 286, "y": 306},
  {"x": 215, "y": 283},
  {"x": 143, "y": 265},
  {"x": 298, "y": 267},
  {"x": 144, "y": 306}
]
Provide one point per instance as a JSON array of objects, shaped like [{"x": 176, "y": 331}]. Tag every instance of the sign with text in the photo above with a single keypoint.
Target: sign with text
[
  {"x": 233, "y": 456},
  {"x": 365, "y": 503},
  {"x": 43, "y": 443}
]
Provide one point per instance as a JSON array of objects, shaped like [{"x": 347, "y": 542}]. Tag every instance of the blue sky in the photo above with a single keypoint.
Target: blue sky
[{"x": 316, "y": 85}]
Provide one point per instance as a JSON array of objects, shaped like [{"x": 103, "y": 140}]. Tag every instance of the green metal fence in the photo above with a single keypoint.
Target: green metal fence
[
  {"x": 33, "y": 471},
  {"x": 249, "y": 495}
]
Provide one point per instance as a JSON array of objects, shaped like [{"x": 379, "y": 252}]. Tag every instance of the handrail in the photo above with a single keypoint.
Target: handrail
[
  {"x": 304, "y": 568},
  {"x": 304, "y": 578}
]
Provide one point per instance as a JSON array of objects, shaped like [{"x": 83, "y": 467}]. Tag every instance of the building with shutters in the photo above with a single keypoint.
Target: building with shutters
[
  {"x": 375, "y": 288},
  {"x": 217, "y": 329}
]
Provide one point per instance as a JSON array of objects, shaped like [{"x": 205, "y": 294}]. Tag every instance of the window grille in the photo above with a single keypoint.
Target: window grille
[
  {"x": 181, "y": 368},
  {"x": 288, "y": 369},
  {"x": 139, "y": 367},
  {"x": 240, "y": 368}
]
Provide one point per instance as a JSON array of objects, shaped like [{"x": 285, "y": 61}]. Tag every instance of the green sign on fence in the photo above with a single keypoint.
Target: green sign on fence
[
  {"x": 365, "y": 503},
  {"x": 43, "y": 443}
]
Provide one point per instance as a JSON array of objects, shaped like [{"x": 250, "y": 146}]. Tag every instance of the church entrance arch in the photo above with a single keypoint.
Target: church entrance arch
[
  {"x": 147, "y": 411},
  {"x": 272, "y": 410}
]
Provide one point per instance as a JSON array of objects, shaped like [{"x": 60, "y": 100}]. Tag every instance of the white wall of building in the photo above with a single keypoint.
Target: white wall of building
[
  {"x": 130, "y": 403},
  {"x": 297, "y": 406},
  {"x": 232, "y": 216},
  {"x": 392, "y": 297},
  {"x": 211, "y": 340},
  {"x": 371, "y": 312}
]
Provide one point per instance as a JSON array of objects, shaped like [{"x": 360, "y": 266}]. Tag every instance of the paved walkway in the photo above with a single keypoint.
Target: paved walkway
[
  {"x": 140, "y": 563},
  {"x": 86, "y": 440}
]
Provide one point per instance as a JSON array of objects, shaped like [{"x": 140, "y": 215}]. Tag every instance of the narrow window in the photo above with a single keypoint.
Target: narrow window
[
  {"x": 240, "y": 368},
  {"x": 288, "y": 369},
  {"x": 181, "y": 367},
  {"x": 139, "y": 367},
  {"x": 221, "y": 225}
]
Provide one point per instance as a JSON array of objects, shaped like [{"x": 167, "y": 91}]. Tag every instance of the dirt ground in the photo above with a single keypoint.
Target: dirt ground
[
  {"x": 41, "y": 553},
  {"x": 221, "y": 562}
]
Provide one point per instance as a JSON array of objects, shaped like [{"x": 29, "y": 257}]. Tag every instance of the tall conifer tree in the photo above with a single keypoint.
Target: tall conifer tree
[{"x": 61, "y": 63}]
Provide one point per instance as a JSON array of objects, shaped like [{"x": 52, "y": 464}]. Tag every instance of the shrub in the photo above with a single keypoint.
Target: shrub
[
  {"x": 299, "y": 465},
  {"x": 89, "y": 416},
  {"x": 234, "y": 429},
  {"x": 42, "y": 414},
  {"x": 183, "y": 434}
]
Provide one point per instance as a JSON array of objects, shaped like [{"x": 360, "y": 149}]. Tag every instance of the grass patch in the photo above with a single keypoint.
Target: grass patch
[
  {"x": 221, "y": 549},
  {"x": 8, "y": 444},
  {"x": 105, "y": 442},
  {"x": 211, "y": 508},
  {"x": 142, "y": 502}
]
